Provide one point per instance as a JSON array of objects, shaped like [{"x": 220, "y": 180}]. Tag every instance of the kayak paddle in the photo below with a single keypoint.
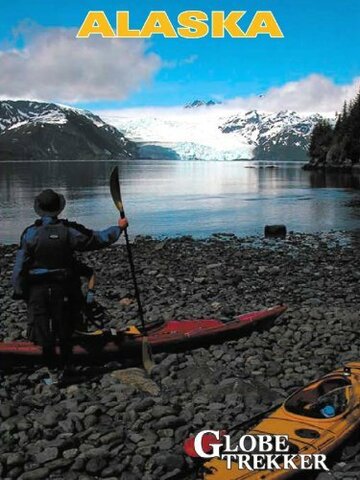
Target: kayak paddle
[{"x": 116, "y": 196}]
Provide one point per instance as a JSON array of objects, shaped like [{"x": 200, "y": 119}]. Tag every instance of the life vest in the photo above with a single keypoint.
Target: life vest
[{"x": 52, "y": 249}]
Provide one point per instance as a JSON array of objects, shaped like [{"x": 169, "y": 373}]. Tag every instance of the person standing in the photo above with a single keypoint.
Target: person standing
[{"x": 45, "y": 274}]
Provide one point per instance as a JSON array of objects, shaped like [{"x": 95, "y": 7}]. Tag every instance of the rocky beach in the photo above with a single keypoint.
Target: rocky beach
[{"x": 121, "y": 424}]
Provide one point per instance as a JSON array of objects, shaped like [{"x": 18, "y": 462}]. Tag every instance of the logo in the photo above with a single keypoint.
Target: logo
[{"x": 254, "y": 452}]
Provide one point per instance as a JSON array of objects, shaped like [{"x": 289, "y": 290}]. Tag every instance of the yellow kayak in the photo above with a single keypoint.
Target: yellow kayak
[{"x": 317, "y": 419}]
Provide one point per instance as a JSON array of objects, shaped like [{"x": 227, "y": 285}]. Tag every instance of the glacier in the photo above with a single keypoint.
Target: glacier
[
  {"x": 192, "y": 136},
  {"x": 213, "y": 133}
]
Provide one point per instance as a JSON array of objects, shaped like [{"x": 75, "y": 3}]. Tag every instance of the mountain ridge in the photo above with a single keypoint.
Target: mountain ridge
[
  {"x": 32, "y": 130},
  {"x": 209, "y": 134},
  {"x": 201, "y": 103},
  {"x": 284, "y": 135},
  {"x": 40, "y": 131}
]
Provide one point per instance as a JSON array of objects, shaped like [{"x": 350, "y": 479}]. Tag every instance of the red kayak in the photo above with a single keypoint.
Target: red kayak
[{"x": 171, "y": 336}]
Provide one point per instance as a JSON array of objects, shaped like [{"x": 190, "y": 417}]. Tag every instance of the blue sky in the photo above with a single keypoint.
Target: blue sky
[{"x": 321, "y": 37}]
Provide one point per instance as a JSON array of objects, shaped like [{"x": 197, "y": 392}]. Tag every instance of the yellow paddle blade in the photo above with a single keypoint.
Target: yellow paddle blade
[
  {"x": 132, "y": 330},
  {"x": 91, "y": 334}
]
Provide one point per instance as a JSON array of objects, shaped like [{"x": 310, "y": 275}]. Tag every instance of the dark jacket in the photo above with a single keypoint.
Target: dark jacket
[{"x": 78, "y": 238}]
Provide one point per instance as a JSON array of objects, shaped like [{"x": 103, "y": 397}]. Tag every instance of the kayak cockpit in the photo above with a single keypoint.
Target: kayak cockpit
[{"x": 324, "y": 399}]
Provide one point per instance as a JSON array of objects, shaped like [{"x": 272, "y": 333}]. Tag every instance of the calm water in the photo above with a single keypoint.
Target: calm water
[{"x": 168, "y": 198}]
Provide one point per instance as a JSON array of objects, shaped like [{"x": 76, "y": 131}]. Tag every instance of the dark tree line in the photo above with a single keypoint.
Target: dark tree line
[{"x": 340, "y": 142}]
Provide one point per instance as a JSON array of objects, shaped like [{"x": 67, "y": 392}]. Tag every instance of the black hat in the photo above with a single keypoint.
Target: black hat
[{"x": 49, "y": 203}]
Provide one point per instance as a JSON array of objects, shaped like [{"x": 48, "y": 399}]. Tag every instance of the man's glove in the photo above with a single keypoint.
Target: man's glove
[
  {"x": 123, "y": 223},
  {"x": 90, "y": 297}
]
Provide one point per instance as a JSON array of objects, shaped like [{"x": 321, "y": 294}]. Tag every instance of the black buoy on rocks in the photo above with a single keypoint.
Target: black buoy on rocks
[{"x": 275, "y": 231}]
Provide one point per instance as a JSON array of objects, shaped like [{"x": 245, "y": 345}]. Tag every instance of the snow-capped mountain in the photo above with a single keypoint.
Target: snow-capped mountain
[
  {"x": 202, "y": 103},
  {"x": 283, "y": 135},
  {"x": 183, "y": 134},
  {"x": 38, "y": 130},
  {"x": 214, "y": 134}
]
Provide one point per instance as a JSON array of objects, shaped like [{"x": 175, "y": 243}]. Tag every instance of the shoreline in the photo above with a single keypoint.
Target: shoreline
[
  {"x": 112, "y": 426},
  {"x": 255, "y": 239},
  {"x": 310, "y": 167}
]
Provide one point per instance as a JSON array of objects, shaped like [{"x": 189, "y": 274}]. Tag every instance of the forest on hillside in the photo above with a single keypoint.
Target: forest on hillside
[{"x": 337, "y": 145}]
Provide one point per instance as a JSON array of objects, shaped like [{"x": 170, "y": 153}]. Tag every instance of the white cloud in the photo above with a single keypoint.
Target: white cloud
[
  {"x": 189, "y": 60},
  {"x": 315, "y": 93},
  {"x": 183, "y": 61},
  {"x": 55, "y": 65},
  {"x": 312, "y": 94}
]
